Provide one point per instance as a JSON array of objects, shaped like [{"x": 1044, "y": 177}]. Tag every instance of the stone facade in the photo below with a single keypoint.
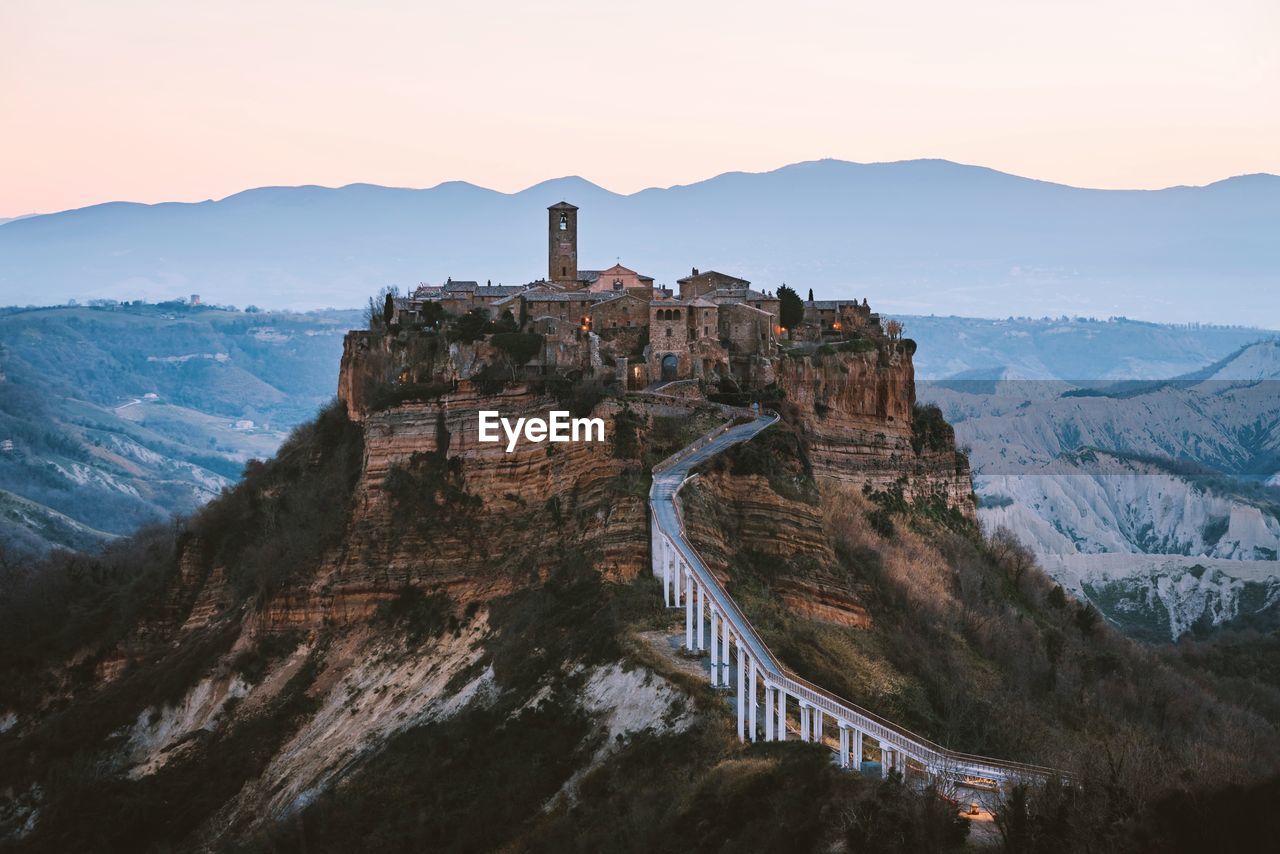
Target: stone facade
[
  {"x": 669, "y": 340},
  {"x": 562, "y": 244},
  {"x": 617, "y": 320},
  {"x": 700, "y": 284}
]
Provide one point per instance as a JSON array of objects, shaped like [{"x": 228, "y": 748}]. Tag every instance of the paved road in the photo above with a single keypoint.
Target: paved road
[
  {"x": 667, "y": 479},
  {"x": 662, "y": 499}
]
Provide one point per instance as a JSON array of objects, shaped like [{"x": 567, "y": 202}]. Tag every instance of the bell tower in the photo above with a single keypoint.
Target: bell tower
[{"x": 562, "y": 244}]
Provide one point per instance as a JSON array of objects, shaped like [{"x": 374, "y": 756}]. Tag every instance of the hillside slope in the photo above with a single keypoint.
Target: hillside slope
[
  {"x": 1174, "y": 468},
  {"x": 110, "y": 419},
  {"x": 392, "y": 636}
]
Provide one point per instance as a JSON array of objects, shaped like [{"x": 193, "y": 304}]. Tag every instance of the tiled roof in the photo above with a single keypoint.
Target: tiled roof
[
  {"x": 453, "y": 286},
  {"x": 832, "y": 304},
  {"x": 569, "y": 296},
  {"x": 738, "y": 294},
  {"x": 708, "y": 274}
]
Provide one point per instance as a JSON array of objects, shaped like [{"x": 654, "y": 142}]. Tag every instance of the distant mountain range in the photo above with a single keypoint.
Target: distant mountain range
[{"x": 916, "y": 237}]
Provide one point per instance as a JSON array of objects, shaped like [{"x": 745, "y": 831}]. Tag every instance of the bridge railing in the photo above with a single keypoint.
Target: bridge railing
[{"x": 883, "y": 730}]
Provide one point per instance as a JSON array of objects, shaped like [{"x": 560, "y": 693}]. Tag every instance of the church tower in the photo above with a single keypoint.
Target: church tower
[{"x": 562, "y": 244}]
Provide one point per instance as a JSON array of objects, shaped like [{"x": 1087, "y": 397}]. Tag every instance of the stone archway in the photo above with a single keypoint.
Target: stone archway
[{"x": 670, "y": 367}]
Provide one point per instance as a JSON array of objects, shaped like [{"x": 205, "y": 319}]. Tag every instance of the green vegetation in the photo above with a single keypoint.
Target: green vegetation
[
  {"x": 517, "y": 347},
  {"x": 778, "y": 455},
  {"x": 971, "y": 645},
  {"x": 470, "y": 327},
  {"x": 387, "y": 395},
  {"x": 286, "y": 512},
  {"x": 52, "y": 607},
  {"x": 429, "y": 492},
  {"x": 420, "y": 615},
  {"x": 930, "y": 431},
  {"x": 790, "y": 308},
  {"x": 87, "y": 808}
]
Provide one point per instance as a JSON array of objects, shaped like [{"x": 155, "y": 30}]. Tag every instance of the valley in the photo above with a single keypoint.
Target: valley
[{"x": 116, "y": 416}]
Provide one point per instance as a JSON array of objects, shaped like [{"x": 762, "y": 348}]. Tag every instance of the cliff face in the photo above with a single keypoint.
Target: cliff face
[
  {"x": 854, "y": 413},
  {"x": 728, "y": 514},
  {"x": 434, "y": 507}
]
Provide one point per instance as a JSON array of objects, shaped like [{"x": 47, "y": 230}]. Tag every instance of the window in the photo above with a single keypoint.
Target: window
[
  {"x": 564, "y": 271},
  {"x": 564, "y": 222},
  {"x": 668, "y": 331}
]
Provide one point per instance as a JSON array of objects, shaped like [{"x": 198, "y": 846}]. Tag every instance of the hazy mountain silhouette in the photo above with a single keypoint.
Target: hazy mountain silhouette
[{"x": 915, "y": 236}]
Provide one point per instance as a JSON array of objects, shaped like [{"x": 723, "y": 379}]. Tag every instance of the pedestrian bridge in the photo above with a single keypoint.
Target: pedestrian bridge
[{"x": 765, "y": 688}]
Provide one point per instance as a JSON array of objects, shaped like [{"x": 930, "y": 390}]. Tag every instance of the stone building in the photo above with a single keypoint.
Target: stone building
[
  {"x": 837, "y": 318},
  {"x": 669, "y": 340},
  {"x": 699, "y": 284},
  {"x": 617, "y": 279},
  {"x": 562, "y": 244},
  {"x": 618, "y": 320}
]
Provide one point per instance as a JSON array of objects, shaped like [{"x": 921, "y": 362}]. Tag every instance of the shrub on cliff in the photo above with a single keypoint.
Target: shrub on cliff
[
  {"x": 471, "y": 326},
  {"x": 930, "y": 430},
  {"x": 790, "y": 308},
  {"x": 517, "y": 347},
  {"x": 52, "y": 607},
  {"x": 386, "y": 395},
  {"x": 286, "y": 512}
]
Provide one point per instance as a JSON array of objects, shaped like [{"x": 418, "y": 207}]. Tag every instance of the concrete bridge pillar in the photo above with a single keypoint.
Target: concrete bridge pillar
[
  {"x": 844, "y": 745},
  {"x": 724, "y": 654},
  {"x": 751, "y": 696},
  {"x": 688, "y": 611},
  {"x": 742, "y": 696},
  {"x": 770, "y": 711},
  {"x": 701, "y": 596},
  {"x": 857, "y": 750},
  {"x": 781, "y": 728},
  {"x": 816, "y": 725},
  {"x": 804, "y": 721},
  {"x": 715, "y": 648},
  {"x": 666, "y": 573},
  {"x": 655, "y": 546}
]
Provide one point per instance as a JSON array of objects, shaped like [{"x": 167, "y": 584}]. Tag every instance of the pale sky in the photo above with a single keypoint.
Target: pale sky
[{"x": 152, "y": 101}]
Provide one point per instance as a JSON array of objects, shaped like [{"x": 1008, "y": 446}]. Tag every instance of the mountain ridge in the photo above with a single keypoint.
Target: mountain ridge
[{"x": 920, "y": 236}]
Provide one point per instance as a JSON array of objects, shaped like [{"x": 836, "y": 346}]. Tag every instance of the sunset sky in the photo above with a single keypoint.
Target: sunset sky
[{"x": 153, "y": 101}]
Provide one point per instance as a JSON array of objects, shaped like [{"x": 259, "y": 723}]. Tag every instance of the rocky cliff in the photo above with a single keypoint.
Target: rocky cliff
[{"x": 856, "y": 414}]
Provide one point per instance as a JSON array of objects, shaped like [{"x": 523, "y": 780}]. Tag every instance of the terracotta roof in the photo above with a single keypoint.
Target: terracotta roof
[
  {"x": 568, "y": 296},
  {"x": 711, "y": 274}
]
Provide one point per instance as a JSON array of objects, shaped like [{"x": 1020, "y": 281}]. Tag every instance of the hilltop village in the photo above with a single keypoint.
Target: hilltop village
[{"x": 618, "y": 326}]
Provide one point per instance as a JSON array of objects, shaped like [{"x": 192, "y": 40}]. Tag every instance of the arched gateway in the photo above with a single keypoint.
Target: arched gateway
[{"x": 670, "y": 367}]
